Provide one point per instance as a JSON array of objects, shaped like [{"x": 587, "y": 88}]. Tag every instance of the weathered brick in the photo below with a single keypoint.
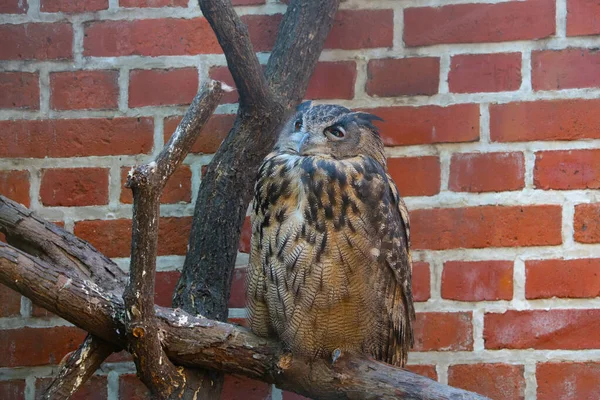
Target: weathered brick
[
  {"x": 421, "y": 281},
  {"x": 438, "y": 331},
  {"x": 131, "y": 388},
  {"x": 173, "y": 235},
  {"x": 375, "y": 29},
  {"x": 474, "y": 73},
  {"x": 12, "y": 390},
  {"x": 575, "y": 329},
  {"x": 474, "y": 23},
  {"x": 486, "y": 226},
  {"x": 332, "y": 80},
  {"x": 562, "y": 278},
  {"x": 568, "y": 380},
  {"x": 15, "y": 186},
  {"x": 212, "y": 134},
  {"x": 94, "y": 388},
  {"x": 545, "y": 120},
  {"x": 567, "y": 169},
  {"x": 496, "y": 381},
  {"x": 424, "y": 370},
  {"x": 236, "y": 387},
  {"x": 157, "y": 87},
  {"x": 81, "y": 90},
  {"x": 477, "y": 280},
  {"x": 587, "y": 223},
  {"x": 52, "y": 41},
  {"x": 263, "y": 30},
  {"x": 428, "y": 124},
  {"x": 153, "y": 3},
  {"x": 26, "y": 347},
  {"x": 75, "y": 137},
  {"x": 74, "y": 187},
  {"x": 14, "y": 7},
  {"x": 416, "y": 176},
  {"x": 403, "y": 77},
  {"x": 178, "y": 188},
  {"x": 487, "y": 172},
  {"x": 19, "y": 90},
  {"x": 221, "y": 73},
  {"x": 10, "y": 303},
  {"x": 238, "y": 289},
  {"x": 73, "y": 6},
  {"x": 292, "y": 396},
  {"x": 583, "y": 17},
  {"x": 165, "y": 287},
  {"x": 564, "y": 69}
]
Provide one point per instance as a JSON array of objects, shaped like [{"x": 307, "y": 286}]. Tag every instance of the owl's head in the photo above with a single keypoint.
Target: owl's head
[{"x": 331, "y": 131}]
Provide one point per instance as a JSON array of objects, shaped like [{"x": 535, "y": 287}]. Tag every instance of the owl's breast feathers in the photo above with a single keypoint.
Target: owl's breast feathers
[{"x": 330, "y": 264}]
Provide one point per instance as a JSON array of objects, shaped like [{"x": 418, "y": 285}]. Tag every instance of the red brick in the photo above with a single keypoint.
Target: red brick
[
  {"x": 161, "y": 87},
  {"x": 52, "y": 41},
  {"x": 173, "y": 235},
  {"x": 486, "y": 226},
  {"x": 564, "y": 69},
  {"x": 15, "y": 186},
  {"x": 568, "y": 380},
  {"x": 149, "y": 37},
  {"x": 477, "y": 280},
  {"x": 10, "y": 303},
  {"x": 237, "y": 387},
  {"x": 437, "y": 331},
  {"x": 12, "y": 390},
  {"x": 478, "y": 172},
  {"x": 81, "y": 90},
  {"x": 474, "y": 23},
  {"x": 75, "y": 137},
  {"x": 428, "y": 124},
  {"x": 74, "y": 187},
  {"x": 573, "y": 329},
  {"x": 567, "y": 169},
  {"x": 19, "y": 90},
  {"x": 587, "y": 223},
  {"x": 545, "y": 120},
  {"x": 221, "y": 73},
  {"x": 421, "y": 281},
  {"x": 424, "y": 370},
  {"x": 474, "y": 73},
  {"x": 237, "y": 298},
  {"x": 153, "y": 3},
  {"x": 292, "y": 396},
  {"x": 131, "y": 388},
  {"x": 332, "y": 80},
  {"x": 496, "y": 381},
  {"x": 93, "y": 389},
  {"x": 562, "y": 278},
  {"x": 212, "y": 134},
  {"x": 178, "y": 188},
  {"x": 14, "y": 7},
  {"x": 403, "y": 77},
  {"x": 121, "y": 356},
  {"x": 26, "y": 347},
  {"x": 416, "y": 176},
  {"x": 583, "y": 17},
  {"x": 238, "y": 321},
  {"x": 263, "y": 30},
  {"x": 73, "y": 6},
  {"x": 359, "y": 29},
  {"x": 246, "y": 236},
  {"x": 165, "y": 287}
]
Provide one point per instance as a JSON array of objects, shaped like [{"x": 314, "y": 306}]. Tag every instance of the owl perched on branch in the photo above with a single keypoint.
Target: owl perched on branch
[{"x": 330, "y": 267}]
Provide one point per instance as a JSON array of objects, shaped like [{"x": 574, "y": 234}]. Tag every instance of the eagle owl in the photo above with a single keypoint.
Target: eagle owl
[{"x": 330, "y": 267}]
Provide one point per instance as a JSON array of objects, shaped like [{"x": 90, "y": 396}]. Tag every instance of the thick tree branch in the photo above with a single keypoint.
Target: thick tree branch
[
  {"x": 147, "y": 182},
  {"x": 199, "y": 342},
  {"x": 80, "y": 365}
]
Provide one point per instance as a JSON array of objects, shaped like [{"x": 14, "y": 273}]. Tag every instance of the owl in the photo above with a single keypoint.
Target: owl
[{"x": 330, "y": 267}]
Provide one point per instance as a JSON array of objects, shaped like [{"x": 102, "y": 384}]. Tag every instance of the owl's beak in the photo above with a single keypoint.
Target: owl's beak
[{"x": 301, "y": 142}]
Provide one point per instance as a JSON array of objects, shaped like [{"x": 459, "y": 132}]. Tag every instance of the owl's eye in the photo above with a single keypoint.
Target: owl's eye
[
  {"x": 298, "y": 125},
  {"x": 335, "y": 131}
]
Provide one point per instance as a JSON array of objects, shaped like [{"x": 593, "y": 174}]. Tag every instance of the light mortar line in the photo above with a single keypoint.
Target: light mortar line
[
  {"x": 26, "y": 306},
  {"x": 44, "y": 94},
  {"x": 441, "y": 368},
  {"x": 561, "y": 18},
  {"x": 568, "y": 231},
  {"x": 362, "y": 76},
  {"x": 78, "y": 35},
  {"x": 7, "y": 374},
  {"x": 123, "y": 89},
  {"x": 159, "y": 139},
  {"x": 445, "y": 162},
  {"x": 21, "y": 322},
  {"x": 445, "y": 65},
  {"x": 114, "y": 187},
  {"x": 529, "y": 169},
  {"x": 505, "y": 356},
  {"x": 526, "y": 85},
  {"x": 29, "y": 388},
  {"x": 112, "y": 386},
  {"x": 33, "y": 11},
  {"x": 34, "y": 186},
  {"x": 398, "y": 41},
  {"x": 436, "y": 267},
  {"x": 519, "y": 276},
  {"x": 530, "y": 380},
  {"x": 276, "y": 393},
  {"x": 478, "y": 344},
  {"x": 413, "y": 3},
  {"x": 238, "y": 313},
  {"x": 484, "y": 124},
  {"x": 113, "y": 5}
]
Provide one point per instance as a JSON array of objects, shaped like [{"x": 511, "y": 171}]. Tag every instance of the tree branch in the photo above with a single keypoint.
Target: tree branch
[
  {"x": 147, "y": 182},
  {"x": 199, "y": 342}
]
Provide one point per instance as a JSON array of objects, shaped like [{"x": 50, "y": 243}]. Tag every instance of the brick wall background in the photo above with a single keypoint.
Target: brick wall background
[{"x": 492, "y": 112}]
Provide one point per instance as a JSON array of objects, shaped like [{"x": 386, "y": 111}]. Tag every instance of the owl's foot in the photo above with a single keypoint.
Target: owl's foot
[{"x": 335, "y": 355}]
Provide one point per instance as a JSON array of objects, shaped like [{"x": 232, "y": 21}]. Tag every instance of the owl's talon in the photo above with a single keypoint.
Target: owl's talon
[{"x": 335, "y": 355}]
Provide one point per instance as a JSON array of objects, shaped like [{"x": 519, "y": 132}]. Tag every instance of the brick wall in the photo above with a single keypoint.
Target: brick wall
[{"x": 492, "y": 112}]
